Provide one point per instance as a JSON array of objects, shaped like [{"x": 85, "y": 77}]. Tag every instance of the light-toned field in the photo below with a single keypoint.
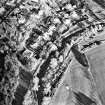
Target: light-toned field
[
  {"x": 90, "y": 83},
  {"x": 96, "y": 59}
]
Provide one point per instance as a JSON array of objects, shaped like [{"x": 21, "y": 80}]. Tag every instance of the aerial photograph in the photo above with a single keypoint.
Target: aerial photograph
[{"x": 52, "y": 52}]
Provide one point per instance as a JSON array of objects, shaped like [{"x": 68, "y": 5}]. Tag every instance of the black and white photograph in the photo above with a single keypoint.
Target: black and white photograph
[{"x": 52, "y": 52}]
